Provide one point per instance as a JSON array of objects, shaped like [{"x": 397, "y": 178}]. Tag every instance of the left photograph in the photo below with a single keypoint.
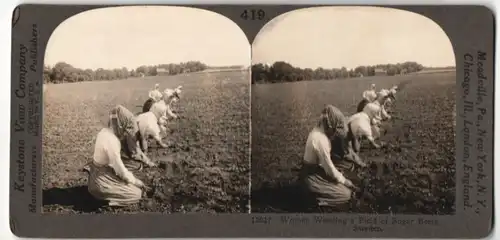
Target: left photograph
[{"x": 146, "y": 109}]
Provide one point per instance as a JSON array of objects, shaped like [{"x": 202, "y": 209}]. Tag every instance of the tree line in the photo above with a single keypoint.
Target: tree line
[
  {"x": 63, "y": 72},
  {"x": 282, "y": 71}
]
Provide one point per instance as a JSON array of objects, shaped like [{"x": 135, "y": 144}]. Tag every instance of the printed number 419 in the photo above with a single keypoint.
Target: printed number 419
[{"x": 253, "y": 14}]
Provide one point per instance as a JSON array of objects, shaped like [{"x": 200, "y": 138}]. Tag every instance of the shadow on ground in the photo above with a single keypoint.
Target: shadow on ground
[
  {"x": 78, "y": 198},
  {"x": 286, "y": 197}
]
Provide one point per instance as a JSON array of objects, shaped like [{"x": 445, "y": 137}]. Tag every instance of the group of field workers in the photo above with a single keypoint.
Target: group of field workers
[
  {"x": 333, "y": 145},
  {"x": 121, "y": 148}
]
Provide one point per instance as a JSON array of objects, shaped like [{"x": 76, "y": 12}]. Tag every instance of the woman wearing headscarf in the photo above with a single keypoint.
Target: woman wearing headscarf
[
  {"x": 154, "y": 96},
  {"x": 163, "y": 109},
  {"x": 320, "y": 178},
  {"x": 392, "y": 96},
  {"x": 376, "y": 109},
  {"x": 124, "y": 125},
  {"x": 368, "y": 96},
  {"x": 109, "y": 179}
]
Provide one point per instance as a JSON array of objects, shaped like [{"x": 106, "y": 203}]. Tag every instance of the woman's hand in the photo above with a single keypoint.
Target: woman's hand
[
  {"x": 362, "y": 164},
  {"x": 349, "y": 184},
  {"x": 354, "y": 157},
  {"x": 151, "y": 164},
  {"x": 138, "y": 183},
  {"x": 146, "y": 160}
]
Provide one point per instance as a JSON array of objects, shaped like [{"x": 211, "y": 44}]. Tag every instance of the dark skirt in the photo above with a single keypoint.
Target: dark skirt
[
  {"x": 147, "y": 105},
  {"x": 361, "y": 105}
]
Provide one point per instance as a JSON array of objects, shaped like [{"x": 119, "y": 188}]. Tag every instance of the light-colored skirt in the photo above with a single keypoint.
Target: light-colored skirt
[
  {"x": 105, "y": 185},
  {"x": 325, "y": 190}
]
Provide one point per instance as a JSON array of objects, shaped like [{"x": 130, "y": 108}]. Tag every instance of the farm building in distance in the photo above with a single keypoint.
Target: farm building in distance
[
  {"x": 380, "y": 72},
  {"x": 162, "y": 71}
]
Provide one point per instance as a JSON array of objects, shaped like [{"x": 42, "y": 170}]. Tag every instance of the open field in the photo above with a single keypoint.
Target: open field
[
  {"x": 210, "y": 143},
  {"x": 436, "y": 70},
  {"x": 414, "y": 174}
]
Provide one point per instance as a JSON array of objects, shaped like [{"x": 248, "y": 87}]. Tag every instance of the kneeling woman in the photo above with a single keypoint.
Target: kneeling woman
[
  {"x": 109, "y": 179},
  {"x": 320, "y": 178},
  {"x": 125, "y": 127}
]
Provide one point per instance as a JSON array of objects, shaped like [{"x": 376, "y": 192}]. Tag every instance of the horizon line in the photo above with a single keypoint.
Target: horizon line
[
  {"x": 365, "y": 65},
  {"x": 152, "y": 65}
]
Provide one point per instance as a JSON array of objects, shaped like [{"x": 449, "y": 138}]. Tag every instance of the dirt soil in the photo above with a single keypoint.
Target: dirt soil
[
  {"x": 208, "y": 145},
  {"x": 413, "y": 174}
]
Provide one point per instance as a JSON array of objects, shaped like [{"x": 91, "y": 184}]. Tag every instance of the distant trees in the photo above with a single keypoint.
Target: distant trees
[
  {"x": 284, "y": 72},
  {"x": 280, "y": 71},
  {"x": 63, "y": 72}
]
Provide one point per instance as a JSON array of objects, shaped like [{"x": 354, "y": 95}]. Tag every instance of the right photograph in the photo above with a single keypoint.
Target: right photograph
[{"x": 353, "y": 111}]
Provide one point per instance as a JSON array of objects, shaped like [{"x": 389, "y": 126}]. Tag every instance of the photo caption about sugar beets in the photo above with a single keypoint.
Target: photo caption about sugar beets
[
  {"x": 27, "y": 120},
  {"x": 355, "y": 223},
  {"x": 475, "y": 117}
]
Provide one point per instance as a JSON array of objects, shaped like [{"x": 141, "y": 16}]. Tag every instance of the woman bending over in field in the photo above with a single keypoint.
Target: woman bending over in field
[
  {"x": 165, "y": 96},
  {"x": 109, "y": 179},
  {"x": 154, "y": 96},
  {"x": 392, "y": 97},
  {"x": 319, "y": 176},
  {"x": 124, "y": 125},
  {"x": 163, "y": 109},
  {"x": 368, "y": 97},
  {"x": 367, "y": 123},
  {"x": 376, "y": 109},
  {"x": 149, "y": 128}
]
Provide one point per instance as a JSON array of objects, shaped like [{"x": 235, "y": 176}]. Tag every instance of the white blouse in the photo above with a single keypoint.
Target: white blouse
[
  {"x": 370, "y": 95},
  {"x": 317, "y": 151},
  {"x": 155, "y": 95},
  {"x": 107, "y": 152},
  {"x": 161, "y": 109}
]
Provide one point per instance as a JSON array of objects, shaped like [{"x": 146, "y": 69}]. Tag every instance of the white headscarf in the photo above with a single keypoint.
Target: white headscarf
[
  {"x": 178, "y": 89},
  {"x": 394, "y": 89},
  {"x": 384, "y": 93},
  {"x": 169, "y": 93}
]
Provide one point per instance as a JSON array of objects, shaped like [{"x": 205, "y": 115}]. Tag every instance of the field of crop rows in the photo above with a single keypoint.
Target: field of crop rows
[
  {"x": 209, "y": 143},
  {"x": 413, "y": 174}
]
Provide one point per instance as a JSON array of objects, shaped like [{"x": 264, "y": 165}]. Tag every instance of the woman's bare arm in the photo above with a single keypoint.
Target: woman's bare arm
[
  {"x": 323, "y": 149},
  {"x": 116, "y": 163}
]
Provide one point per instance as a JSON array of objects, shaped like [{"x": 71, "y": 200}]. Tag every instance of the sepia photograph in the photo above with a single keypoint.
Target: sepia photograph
[
  {"x": 353, "y": 111},
  {"x": 146, "y": 109}
]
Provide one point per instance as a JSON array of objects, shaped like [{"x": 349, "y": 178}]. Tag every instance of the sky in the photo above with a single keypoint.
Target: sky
[
  {"x": 147, "y": 35},
  {"x": 332, "y": 37}
]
